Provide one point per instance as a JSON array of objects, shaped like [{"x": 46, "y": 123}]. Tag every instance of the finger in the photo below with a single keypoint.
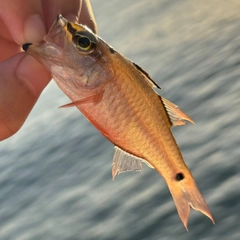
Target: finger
[
  {"x": 69, "y": 9},
  {"x": 19, "y": 90},
  {"x": 25, "y": 25},
  {"x": 87, "y": 17},
  {"x": 79, "y": 11},
  {"x": 7, "y": 46},
  {"x": 4, "y": 33},
  {"x": 8, "y": 49}
]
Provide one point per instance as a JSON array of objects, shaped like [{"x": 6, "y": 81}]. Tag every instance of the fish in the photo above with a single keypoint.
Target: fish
[{"x": 121, "y": 100}]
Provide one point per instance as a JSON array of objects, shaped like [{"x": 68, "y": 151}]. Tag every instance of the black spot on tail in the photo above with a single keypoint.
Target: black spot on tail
[{"x": 179, "y": 177}]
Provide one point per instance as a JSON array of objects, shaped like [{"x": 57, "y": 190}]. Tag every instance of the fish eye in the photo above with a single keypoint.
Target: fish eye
[
  {"x": 83, "y": 42},
  {"x": 179, "y": 177}
]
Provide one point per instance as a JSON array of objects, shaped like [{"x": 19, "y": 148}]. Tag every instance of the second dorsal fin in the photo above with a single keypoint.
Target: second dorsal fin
[{"x": 176, "y": 115}]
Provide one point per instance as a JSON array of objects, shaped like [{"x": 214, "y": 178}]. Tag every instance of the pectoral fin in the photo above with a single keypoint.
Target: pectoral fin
[
  {"x": 124, "y": 162},
  {"x": 94, "y": 98},
  {"x": 176, "y": 115}
]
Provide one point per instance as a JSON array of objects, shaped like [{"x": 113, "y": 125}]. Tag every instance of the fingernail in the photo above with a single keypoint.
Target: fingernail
[
  {"x": 33, "y": 74},
  {"x": 34, "y": 29}
]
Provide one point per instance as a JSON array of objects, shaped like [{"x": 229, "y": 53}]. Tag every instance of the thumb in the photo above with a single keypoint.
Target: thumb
[{"x": 22, "y": 80}]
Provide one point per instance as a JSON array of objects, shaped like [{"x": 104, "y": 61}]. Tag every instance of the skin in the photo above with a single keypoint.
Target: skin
[{"x": 22, "y": 78}]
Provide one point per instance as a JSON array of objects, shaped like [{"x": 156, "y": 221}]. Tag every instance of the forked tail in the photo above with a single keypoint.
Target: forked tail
[{"x": 185, "y": 193}]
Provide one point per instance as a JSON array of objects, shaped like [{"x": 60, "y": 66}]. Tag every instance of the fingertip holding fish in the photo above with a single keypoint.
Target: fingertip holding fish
[
  {"x": 29, "y": 67},
  {"x": 34, "y": 29}
]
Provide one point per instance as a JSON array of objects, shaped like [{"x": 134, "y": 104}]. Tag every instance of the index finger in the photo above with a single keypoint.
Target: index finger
[
  {"x": 34, "y": 19},
  {"x": 18, "y": 19}
]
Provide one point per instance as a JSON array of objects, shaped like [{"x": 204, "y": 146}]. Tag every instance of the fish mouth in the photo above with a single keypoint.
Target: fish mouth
[
  {"x": 55, "y": 35},
  {"x": 61, "y": 20},
  {"x": 50, "y": 50},
  {"x": 57, "y": 32}
]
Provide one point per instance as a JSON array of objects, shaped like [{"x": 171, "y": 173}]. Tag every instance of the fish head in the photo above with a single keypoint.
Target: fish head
[{"x": 76, "y": 57}]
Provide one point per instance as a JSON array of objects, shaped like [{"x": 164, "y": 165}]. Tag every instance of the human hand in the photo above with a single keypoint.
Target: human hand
[{"x": 22, "y": 78}]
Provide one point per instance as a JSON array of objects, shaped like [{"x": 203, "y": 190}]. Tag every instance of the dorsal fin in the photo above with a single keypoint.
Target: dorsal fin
[
  {"x": 151, "y": 81},
  {"x": 124, "y": 162},
  {"x": 176, "y": 115}
]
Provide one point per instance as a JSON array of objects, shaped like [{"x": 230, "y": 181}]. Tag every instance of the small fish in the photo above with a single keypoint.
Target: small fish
[{"x": 119, "y": 99}]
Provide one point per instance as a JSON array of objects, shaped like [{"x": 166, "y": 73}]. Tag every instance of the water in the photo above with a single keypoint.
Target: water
[{"x": 55, "y": 173}]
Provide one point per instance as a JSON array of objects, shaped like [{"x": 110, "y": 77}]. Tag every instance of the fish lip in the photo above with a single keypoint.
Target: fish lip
[
  {"x": 57, "y": 32},
  {"x": 25, "y": 46},
  {"x": 61, "y": 20}
]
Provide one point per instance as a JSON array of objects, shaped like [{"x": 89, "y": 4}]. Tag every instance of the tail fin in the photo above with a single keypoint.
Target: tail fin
[{"x": 185, "y": 193}]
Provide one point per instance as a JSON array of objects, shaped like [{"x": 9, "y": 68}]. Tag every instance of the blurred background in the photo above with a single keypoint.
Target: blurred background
[{"x": 55, "y": 173}]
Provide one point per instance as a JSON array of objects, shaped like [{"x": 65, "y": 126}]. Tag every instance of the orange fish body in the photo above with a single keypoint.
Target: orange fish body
[{"x": 118, "y": 98}]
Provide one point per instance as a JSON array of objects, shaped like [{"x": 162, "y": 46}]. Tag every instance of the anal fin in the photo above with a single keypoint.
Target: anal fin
[{"x": 124, "y": 162}]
